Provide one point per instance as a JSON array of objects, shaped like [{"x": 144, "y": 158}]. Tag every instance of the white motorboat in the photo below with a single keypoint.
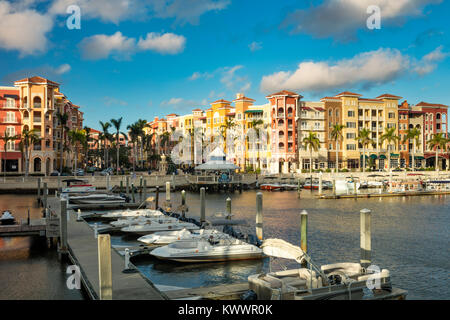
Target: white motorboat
[
  {"x": 345, "y": 186},
  {"x": 120, "y": 214},
  {"x": 158, "y": 225},
  {"x": 132, "y": 221},
  {"x": 7, "y": 218},
  {"x": 339, "y": 281},
  {"x": 375, "y": 184},
  {"x": 167, "y": 237},
  {"x": 78, "y": 186},
  {"x": 202, "y": 250},
  {"x": 96, "y": 198}
]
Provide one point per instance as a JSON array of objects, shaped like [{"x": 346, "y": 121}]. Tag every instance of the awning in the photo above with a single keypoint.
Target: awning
[
  {"x": 419, "y": 157},
  {"x": 395, "y": 155},
  {"x": 254, "y": 111},
  {"x": 382, "y": 157},
  {"x": 374, "y": 156}
]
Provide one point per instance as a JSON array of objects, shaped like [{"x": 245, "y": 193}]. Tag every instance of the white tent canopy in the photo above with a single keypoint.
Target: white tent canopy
[{"x": 216, "y": 161}]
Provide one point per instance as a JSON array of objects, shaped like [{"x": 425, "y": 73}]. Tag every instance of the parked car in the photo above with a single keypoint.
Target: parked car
[
  {"x": 107, "y": 172},
  {"x": 79, "y": 172},
  {"x": 54, "y": 173}
]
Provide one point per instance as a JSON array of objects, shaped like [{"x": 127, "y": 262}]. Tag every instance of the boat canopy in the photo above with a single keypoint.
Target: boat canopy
[
  {"x": 281, "y": 249},
  {"x": 217, "y": 161}
]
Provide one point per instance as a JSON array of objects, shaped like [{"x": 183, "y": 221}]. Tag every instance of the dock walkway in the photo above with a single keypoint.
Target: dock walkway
[{"x": 83, "y": 251}]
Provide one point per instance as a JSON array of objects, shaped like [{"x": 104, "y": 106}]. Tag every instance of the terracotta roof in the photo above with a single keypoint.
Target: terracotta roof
[
  {"x": 94, "y": 131},
  {"x": 329, "y": 98},
  {"x": 172, "y": 114},
  {"x": 220, "y": 101},
  {"x": 426, "y": 104},
  {"x": 197, "y": 110},
  {"x": 387, "y": 95},
  {"x": 37, "y": 79},
  {"x": 231, "y": 114},
  {"x": 284, "y": 93},
  {"x": 348, "y": 93},
  {"x": 244, "y": 98},
  {"x": 366, "y": 99}
]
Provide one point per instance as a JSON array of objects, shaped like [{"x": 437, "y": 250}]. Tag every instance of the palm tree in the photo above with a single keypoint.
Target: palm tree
[
  {"x": 364, "y": 139},
  {"x": 390, "y": 137},
  {"x": 134, "y": 132},
  {"x": 438, "y": 141},
  {"x": 229, "y": 124},
  {"x": 76, "y": 137},
  {"x": 336, "y": 135},
  {"x": 85, "y": 145},
  {"x": 255, "y": 124},
  {"x": 164, "y": 141},
  {"x": 313, "y": 143},
  {"x": 413, "y": 134},
  {"x": 6, "y": 138},
  {"x": 141, "y": 124},
  {"x": 28, "y": 138},
  {"x": 104, "y": 136},
  {"x": 117, "y": 123},
  {"x": 62, "y": 119}
]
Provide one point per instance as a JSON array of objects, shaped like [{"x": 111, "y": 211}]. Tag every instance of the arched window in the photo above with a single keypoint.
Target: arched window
[
  {"x": 289, "y": 112},
  {"x": 36, "y": 102},
  {"x": 438, "y": 116},
  {"x": 280, "y": 122}
]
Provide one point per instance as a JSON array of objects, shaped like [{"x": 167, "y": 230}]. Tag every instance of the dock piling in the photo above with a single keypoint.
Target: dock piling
[
  {"x": 365, "y": 229},
  {"x": 259, "y": 216},
  {"x": 183, "y": 203},
  {"x": 168, "y": 206},
  {"x": 59, "y": 183},
  {"x": 108, "y": 182},
  {"x": 140, "y": 184},
  {"x": 128, "y": 186},
  {"x": 157, "y": 198},
  {"x": 96, "y": 230},
  {"x": 121, "y": 185},
  {"x": 128, "y": 267},
  {"x": 202, "y": 205},
  {"x": 104, "y": 267},
  {"x": 63, "y": 228},
  {"x": 44, "y": 195},
  {"x": 304, "y": 233},
  {"x": 79, "y": 215},
  {"x": 228, "y": 208},
  {"x": 132, "y": 193},
  {"x": 145, "y": 189}
]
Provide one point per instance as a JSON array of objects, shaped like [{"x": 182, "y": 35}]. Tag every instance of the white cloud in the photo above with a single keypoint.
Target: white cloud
[
  {"x": 23, "y": 29},
  {"x": 186, "y": 11},
  {"x": 167, "y": 43},
  {"x": 111, "y": 101},
  {"x": 254, "y": 46},
  {"x": 363, "y": 70},
  {"x": 198, "y": 75},
  {"x": 429, "y": 62},
  {"x": 63, "y": 68},
  {"x": 101, "y": 46},
  {"x": 232, "y": 81},
  {"x": 341, "y": 19}
]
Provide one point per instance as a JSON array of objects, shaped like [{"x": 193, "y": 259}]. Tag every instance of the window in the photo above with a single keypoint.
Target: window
[
  {"x": 11, "y": 146},
  {"x": 351, "y": 124},
  {"x": 351, "y": 147},
  {"x": 374, "y": 113},
  {"x": 11, "y": 131},
  {"x": 391, "y": 115},
  {"x": 391, "y": 125},
  {"x": 351, "y": 113},
  {"x": 351, "y": 135},
  {"x": 10, "y": 103},
  {"x": 10, "y": 117}
]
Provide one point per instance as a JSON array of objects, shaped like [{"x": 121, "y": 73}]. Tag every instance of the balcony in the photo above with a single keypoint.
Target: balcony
[
  {"x": 37, "y": 105},
  {"x": 37, "y": 120},
  {"x": 9, "y": 120}
]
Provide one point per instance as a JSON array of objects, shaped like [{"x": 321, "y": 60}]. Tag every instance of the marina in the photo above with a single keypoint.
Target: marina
[{"x": 140, "y": 253}]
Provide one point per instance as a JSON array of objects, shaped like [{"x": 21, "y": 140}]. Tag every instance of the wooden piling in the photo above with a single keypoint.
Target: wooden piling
[
  {"x": 304, "y": 233},
  {"x": 104, "y": 267},
  {"x": 63, "y": 227},
  {"x": 228, "y": 208},
  {"x": 132, "y": 193},
  {"x": 108, "y": 182},
  {"x": 140, "y": 184},
  {"x": 157, "y": 198},
  {"x": 334, "y": 187},
  {"x": 121, "y": 185},
  {"x": 59, "y": 183},
  {"x": 128, "y": 185},
  {"x": 259, "y": 216},
  {"x": 202, "y": 205},
  {"x": 365, "y": 235},
  {"x": 320, "y": 184},
  {"x": 44, "y": 195},
  {"x": 183, "y": 203},
  {"x": 145, "y": 189},
  {"x": 168, "y": 191}
]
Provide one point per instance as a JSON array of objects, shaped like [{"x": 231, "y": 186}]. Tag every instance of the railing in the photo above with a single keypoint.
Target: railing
[
  {"x": 37, "y": 104},
  {"x": 37, "y": 120},
  {"x": 9, "y": 120}
]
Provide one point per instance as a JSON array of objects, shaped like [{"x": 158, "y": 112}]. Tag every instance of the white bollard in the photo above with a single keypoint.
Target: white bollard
[
  {"x": 96, "y": 230},
  {"x": 79, "y": 215}
]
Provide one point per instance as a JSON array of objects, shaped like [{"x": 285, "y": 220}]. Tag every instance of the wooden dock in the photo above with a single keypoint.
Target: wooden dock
[
  {"x": 221, "y": 292},
  {"x": 37, "y": 227},
  {"x": 384, "y": 195},
  {"x": 83, "y": 251}
]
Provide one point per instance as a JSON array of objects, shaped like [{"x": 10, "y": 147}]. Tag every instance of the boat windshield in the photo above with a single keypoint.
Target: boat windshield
[{"x": 183, "y": 245}]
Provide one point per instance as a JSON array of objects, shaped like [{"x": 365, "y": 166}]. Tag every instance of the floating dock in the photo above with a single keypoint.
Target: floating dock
[{"x": 384, "y": 195}]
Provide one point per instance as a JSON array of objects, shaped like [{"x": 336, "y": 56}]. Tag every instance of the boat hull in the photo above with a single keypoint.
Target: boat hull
[{"x": 214, "y": 258}]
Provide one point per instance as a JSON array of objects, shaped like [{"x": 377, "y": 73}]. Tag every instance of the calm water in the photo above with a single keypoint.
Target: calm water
[{"x": 410, "y": 237}]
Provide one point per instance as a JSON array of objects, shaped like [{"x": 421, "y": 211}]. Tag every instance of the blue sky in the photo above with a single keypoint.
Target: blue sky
[{"x": 140, "y": 59}]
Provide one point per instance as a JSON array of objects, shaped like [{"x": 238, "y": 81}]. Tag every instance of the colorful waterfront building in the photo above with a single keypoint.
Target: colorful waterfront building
[{"x": 10, "y": 126}]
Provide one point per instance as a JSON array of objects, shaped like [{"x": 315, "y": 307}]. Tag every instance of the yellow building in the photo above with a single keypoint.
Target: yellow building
[{"x": 356, "y": 113}]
